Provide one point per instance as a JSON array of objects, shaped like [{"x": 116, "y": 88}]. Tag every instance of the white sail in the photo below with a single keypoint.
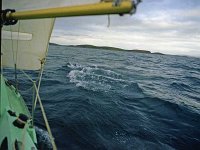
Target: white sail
[{"x": 26, "y": 43}]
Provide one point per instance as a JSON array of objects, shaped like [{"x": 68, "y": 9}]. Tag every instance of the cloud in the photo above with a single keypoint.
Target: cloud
[{"x": 166, "y": 26}]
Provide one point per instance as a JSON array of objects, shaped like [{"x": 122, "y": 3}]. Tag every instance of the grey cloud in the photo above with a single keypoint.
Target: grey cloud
[{"x": 166, "y": 26}]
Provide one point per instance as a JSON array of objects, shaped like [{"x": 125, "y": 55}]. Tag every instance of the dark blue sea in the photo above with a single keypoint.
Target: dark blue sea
[{"x": 116, "y": 100}]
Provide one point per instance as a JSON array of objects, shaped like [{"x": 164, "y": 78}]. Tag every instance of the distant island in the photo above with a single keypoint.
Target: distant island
[{"x": 108, "y": 48}]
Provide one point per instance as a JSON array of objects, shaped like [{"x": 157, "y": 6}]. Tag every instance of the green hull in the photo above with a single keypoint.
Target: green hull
[{"x": 11, "y": 136}]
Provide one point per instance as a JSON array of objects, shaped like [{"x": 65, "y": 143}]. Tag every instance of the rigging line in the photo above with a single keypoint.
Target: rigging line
[
  {"x": 41, "y": 71},
  {"x": 37, "y": 97},
  {"x": 14, "y": 61},
  {"x": 33, "y": 100},
  {"x": 16, "y": 80},
  {"x": 17, "y": 40},
  {"x": 39, "y": 82},
  {"x": 27, "y": 75},
  {"x": 27, "y": 89},
  {"x": 38, "y": 88},
  {"x": 108, "y": 21},
  {"x": 12, "y": 45},
  {"x": 45, "y": 119},
  {"x": 4, "y": 47}
]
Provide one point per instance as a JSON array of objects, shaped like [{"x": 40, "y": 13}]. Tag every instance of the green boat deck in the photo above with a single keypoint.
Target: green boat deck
[
  {"x": 11, "y": 136},
  {"x": 10, "y": 97}
]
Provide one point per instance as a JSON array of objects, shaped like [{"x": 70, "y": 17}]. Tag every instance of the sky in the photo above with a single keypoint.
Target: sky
[{"x": 166, "y": 26}]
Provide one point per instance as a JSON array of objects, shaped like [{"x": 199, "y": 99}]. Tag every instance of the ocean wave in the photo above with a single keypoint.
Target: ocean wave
[
  {"x": 194, "y": 79},
  {"x": 74, "y": 65},
  {"x": 180, "y": 86},
  {"x": 43, "y": 138},
  {"x": 126, "y": 101},
  {"x": 95, "y": 78}
]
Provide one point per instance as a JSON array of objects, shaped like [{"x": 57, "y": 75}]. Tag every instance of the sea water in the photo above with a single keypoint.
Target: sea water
[{"x": 116, "y": 100}]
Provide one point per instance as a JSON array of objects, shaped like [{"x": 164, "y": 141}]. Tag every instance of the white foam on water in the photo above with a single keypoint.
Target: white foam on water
[
  {"x": 94, "y": 78},
  {"x": 43, "y": 137},
  {"x": 74, "y": 66}
]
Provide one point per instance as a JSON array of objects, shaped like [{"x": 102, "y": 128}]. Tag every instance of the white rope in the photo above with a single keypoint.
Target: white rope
[
  {"x": 27, "y": 76},
  {"x": 108, "y": 25},
  {"x": 12, "y": 45},
  {"x": 45, "y": 119},
  {"x": 17, "y": 41},
  {"x": 39, "y": 82},
  {"x": 37, "y": 97}
]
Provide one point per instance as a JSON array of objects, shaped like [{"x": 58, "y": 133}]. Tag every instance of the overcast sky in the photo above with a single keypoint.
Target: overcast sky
[{"x": 167, "y": 26}]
